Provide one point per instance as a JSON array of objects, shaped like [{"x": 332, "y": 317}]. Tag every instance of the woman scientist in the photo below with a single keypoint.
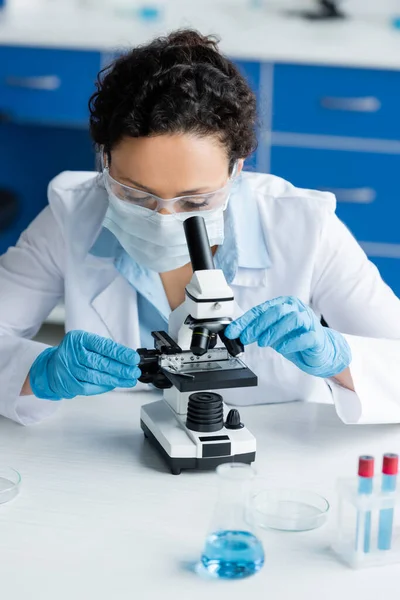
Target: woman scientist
[{"x": 174, "y": 121}]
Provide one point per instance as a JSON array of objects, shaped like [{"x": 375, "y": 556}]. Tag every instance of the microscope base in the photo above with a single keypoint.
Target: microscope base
[{"x": 184, "y": 450}]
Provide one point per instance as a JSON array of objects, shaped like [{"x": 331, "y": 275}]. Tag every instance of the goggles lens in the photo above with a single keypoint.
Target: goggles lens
[{"x": 180, "y": 205}]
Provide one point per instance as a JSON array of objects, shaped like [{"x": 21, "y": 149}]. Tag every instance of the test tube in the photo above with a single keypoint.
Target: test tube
[
  {"x": 390, "y": 469},
  {"x": 365, "y": 486}
]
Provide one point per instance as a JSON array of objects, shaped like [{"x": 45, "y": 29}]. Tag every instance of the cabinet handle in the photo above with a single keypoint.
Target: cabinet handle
[
  {"x": 369, "y": 104},
  {"x": 354, "y": 195},
  {"x": 48, "y": 83},
  {"x": 381, "y": 249}
]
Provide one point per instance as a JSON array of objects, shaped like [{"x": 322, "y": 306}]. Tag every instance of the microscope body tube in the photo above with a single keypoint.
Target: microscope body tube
[
  {"x": 202, "y": 260},
  {"x": 198, "y": 244}
]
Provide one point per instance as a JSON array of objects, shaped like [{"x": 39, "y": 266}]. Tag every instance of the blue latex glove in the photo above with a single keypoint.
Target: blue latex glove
[
  {"x": 83, "y": 364},
  {"x": 292, "y": 329}
]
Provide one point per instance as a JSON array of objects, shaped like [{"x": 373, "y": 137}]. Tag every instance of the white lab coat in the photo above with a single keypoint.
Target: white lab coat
[{"x": 313, "y": 256}]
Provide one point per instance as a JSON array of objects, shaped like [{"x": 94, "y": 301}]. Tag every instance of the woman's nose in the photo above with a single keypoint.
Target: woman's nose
[{"x": 164, "y": 211}]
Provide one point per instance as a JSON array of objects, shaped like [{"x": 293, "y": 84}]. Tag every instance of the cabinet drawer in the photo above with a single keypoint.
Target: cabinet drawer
[
  {"x": 337, "y": 101},
  {"x": 46, "y": 86},
  {"x": 29, "y": 158},
  {"x": 365, "y": 185},
  {"x": 251, "y": 71}
]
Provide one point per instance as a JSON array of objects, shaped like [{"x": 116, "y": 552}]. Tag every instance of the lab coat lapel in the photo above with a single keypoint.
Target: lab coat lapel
[
  {"x": 248, "y": 289},
  {"x": 116, "y": 306},
  {"x": 115, "y": 300},
  {"x": 244, "y": 255}
]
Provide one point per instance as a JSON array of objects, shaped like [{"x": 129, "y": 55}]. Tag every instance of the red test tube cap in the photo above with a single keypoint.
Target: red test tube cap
[
  {"x": 366, "y": 466},
  {"x": 390, "y": 464}
]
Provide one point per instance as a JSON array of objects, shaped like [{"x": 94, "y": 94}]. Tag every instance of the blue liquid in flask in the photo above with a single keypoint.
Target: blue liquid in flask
[{"x": 233, "y": 554}]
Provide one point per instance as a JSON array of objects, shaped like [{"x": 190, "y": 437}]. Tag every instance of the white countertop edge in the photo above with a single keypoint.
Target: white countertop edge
[{"x": 392, "y": 63}]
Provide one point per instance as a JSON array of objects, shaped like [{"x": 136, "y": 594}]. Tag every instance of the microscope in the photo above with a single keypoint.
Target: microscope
[
  {"x": 188, "y": 425},
  {"x": 326, "y": 10}
]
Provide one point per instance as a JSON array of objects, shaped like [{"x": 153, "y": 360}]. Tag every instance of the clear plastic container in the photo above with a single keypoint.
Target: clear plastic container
[
  {"x": 289, "y": 510},
  {"x": 10, "y": 481},
  {"x": 368, "y": 526}
]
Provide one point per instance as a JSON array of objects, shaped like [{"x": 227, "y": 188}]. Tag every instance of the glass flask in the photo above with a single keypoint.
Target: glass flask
[{"x": 232, "y": 550}]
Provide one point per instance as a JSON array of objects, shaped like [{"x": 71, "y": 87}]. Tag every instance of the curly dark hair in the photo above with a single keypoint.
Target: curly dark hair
[{"x": 176, "y": 84}]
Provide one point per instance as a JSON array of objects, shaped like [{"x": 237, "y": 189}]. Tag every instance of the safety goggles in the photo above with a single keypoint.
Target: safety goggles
[{"x": 178, "y": 206}]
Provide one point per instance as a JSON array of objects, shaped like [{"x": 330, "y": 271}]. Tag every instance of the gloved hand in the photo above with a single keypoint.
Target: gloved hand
[
  {"x": 292, "y": 329},
  {"x": 83, "y": 364}
]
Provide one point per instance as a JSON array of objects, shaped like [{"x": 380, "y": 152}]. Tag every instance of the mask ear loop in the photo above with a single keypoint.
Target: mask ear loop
[
  {"x": 103, "y": 166},
  {"x": 234, "y": 171},
  {"x": 231, "y": 180},
  {"x": 103, "y": 159}
]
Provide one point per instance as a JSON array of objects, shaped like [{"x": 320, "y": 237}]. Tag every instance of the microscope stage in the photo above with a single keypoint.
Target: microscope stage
[{"x": 216, "y": 376}]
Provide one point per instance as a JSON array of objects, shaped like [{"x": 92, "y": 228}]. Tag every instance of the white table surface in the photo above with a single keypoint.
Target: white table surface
[
  {"x": 99, "y": 517},
  {"x": 261, "y": 35}
]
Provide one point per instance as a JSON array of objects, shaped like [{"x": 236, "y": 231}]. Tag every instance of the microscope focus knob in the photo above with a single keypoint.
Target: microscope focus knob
[{"x": 233, "y": 420}]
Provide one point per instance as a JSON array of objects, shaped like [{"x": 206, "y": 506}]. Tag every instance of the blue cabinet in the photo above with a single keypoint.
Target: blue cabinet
[
  {"x": 29, "y": 157},
  {"x": 46, "y": 86},
  {"x": 337, "y": 101},
  {"x": 338, "y": 129},
  {"x": 251, "y": 71},
  {"x": 43, "y": 127},
  {"x": 365, "y": 185}
]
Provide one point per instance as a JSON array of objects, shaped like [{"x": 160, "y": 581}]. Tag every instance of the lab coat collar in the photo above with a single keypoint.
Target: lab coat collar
[
  {"x": 143, "y": 280},
  {"x": 243, "y": 256},
  {"x": 147, "y": 283},
  {"x": 106, "y": 245}
]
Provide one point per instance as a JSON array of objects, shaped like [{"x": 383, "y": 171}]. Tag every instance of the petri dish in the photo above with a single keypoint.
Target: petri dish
[
  {"x": 10, "y": 481},
  {"x": 289, "y": 510}
]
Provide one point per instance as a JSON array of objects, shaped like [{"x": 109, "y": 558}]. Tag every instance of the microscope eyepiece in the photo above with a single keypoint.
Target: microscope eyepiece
[{"x": 198, "y": 244}]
